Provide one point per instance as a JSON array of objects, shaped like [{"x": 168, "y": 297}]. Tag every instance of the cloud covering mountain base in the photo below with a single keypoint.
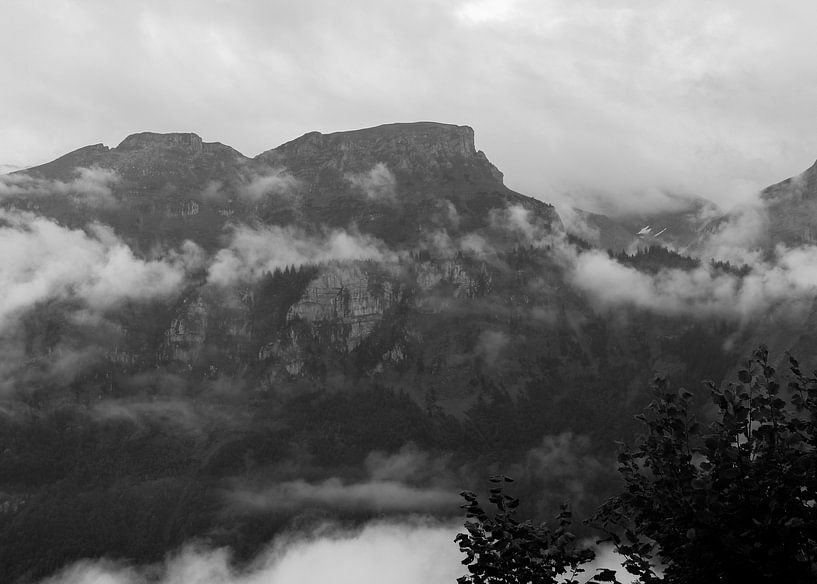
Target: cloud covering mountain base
[{"x": 412, "y": 551}]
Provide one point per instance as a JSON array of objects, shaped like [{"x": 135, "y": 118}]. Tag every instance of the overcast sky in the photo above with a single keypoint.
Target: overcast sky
[{"x": 624, "y": 98}]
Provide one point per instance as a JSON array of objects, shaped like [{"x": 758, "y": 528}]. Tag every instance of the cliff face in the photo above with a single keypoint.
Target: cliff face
[
  {"x": 791, "y": 210},
  {"x": 425, "y": 151},
  {"x": 344, "y": 304},
  {"x": 185, "y": 337},
  {"x": 190, "y": 143},
  {"x": 397, "y": 181}
]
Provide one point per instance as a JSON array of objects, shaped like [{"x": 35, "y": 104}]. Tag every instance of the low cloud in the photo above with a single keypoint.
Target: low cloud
[
  {"x": 252, "y": 252},
  {"x": 43, "y": 260},
  {"x": 252, "y": 185},
  {"x": 407, "y": 480},
  {"x": 736, "y": 238},
  {"x": 783, "y": 280},
  {"x": 176, "y": 412},
  {"x": 91, "y": 186},
  {"x": 372, "y": 495},
  {"x": 409, "y": 464},
  {"x": 490, "y": 344},
  {"x": 787, "y": 282},
  {"x": 412, "y": 551},
  {"x": 575, "y": 223},
  {"x": 526, "y": 226},
  {"x": 257, "y": 187},
  {"x": 58, "y": 286},
  {"x": 377, "y": 184},
  {"x": 562, "y": 467}
]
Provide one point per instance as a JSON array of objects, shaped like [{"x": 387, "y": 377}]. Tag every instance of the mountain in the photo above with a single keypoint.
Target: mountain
[
  {"x": 791, "y": 206},
  {"x": 394, "y": 181},
  {"x": 7, "y": 168},
  {"x": 199, "y": 345},
  {"x": 682, "y": 226}
]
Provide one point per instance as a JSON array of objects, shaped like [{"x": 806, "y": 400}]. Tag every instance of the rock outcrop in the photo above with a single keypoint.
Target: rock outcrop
[
  {"x": 184, "y": 339},
  {"x": 344, "y": 303}
]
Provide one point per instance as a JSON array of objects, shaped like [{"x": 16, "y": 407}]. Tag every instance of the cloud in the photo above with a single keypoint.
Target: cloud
[
  {"x": 490, "y": 344},
  {"x": 408, "y": 480},
  {"x": 252, "y": 252},
  {"x": 735, "y": 237},
  {"x": 562, "y": 468},
  {"x": 259, "y": 186},
  {"x": 409, "y": 464},
  {"x": 177, "y": 412},
  {"x": 485, "y": 11},
  {"x": 91, "y": 186},
  {"x": 613, "y": 99},
  {"x": 57, "y": 285},
  {"x": 252, "y": 185},
  {"x": 526, "y": 226},
  {"x": 43, "y": 260},
  {"x": 787, "y": 284},
  {"x": 576, "y": 223},
  {"x": 73, "y": 276},
  {"x": 412, "y": 551},
  {"x": 372, "y": 495},
  {"x": 378, "y": 184},
  {"x": 783, "y": 280}
]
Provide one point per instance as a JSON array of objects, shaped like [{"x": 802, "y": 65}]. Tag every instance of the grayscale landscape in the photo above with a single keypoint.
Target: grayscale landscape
[{"x": 297, "y": 293}]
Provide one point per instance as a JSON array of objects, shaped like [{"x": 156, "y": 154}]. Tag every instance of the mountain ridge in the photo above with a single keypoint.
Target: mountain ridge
[{"x": 386, "y": 180}]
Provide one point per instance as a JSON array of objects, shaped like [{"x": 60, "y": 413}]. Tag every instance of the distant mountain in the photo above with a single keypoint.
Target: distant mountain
[
  {"x": 792, "y": 209},
  {"x": 680, "y": 227}
]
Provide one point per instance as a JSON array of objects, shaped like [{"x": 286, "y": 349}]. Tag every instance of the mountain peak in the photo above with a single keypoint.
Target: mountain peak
[
  {"x": 420, "y": 130},
  {"x": 185, "y": 141},
  {"x": 424, "y": 149},
  {"x": 458, "y": 139}
]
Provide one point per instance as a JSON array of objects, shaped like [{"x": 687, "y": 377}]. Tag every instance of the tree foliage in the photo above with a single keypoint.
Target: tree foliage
[
  {"x": 501, "y": 549},
  {"x": 729, "y": 501}
]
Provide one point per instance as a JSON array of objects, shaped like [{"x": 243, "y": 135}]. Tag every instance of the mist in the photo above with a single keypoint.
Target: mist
[
  {"x": 409, "y": 480},
  {"x": 782, "y": 280},
  {"x": 409, "y": 551},
  {"x": 251, "y": 252},
  {"x": 43, "y": 260},
  {"x": 378, "y": 184},
  {"x": 90, "y": 186}
]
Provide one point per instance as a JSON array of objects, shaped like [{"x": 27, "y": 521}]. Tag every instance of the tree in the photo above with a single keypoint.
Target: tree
[
  {"x": 733, "y": 501},
  {"x": 500, "y": 549}
]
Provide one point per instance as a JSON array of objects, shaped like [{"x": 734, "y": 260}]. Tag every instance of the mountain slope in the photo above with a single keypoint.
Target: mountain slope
[{"x": 248, "y": 344}]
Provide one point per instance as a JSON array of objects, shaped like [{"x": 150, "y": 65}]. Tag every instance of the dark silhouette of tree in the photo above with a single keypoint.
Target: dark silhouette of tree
[
  {"x": 731, "y": 501},
  {"x": 500, "y": 549}
]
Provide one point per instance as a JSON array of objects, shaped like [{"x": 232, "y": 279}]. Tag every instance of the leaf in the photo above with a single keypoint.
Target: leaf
[
  {"x": 605, "y": 575},
  {"x": 500, "y": 478}
]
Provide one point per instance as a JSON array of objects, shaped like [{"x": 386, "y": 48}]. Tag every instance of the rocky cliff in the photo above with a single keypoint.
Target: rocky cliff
[
  {"x": 394, "y": 182},
  {"x": 426, "y": 152}
]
